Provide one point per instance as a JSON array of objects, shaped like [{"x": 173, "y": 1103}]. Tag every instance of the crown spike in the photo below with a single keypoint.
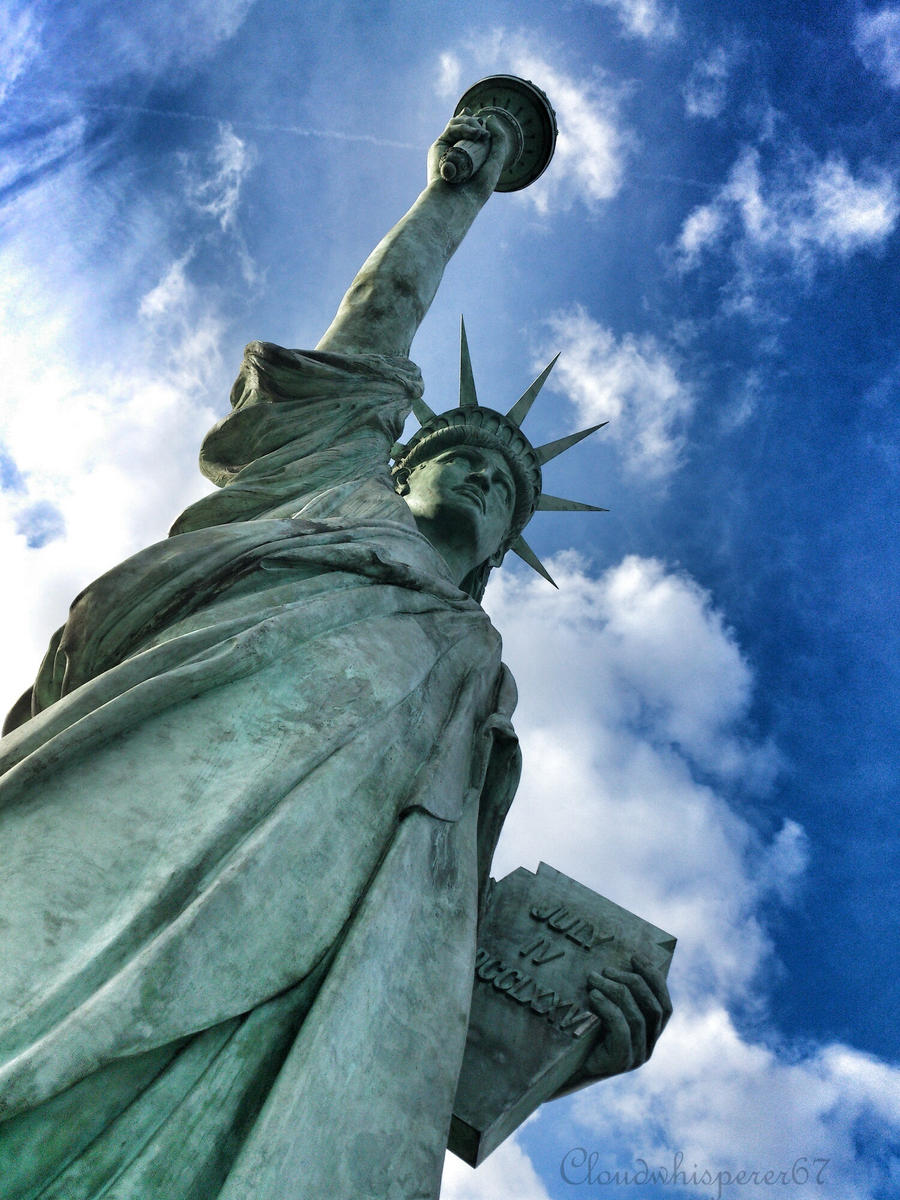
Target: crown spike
[
  {"x": 422, "y": 411},
  {"x": 397, "y": 450},
  {"x": 519, "y": 410},
  {"x": 552, "y": 449},
  {"x": 548, "y": 503},
  {"x": 527, "y": 555},
  {"x": 467, "y": 396}
]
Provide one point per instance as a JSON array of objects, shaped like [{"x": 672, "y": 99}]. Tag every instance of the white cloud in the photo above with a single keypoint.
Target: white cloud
[
  {"x": 849, "y": 214},
  {"x": 632, "y": 383},
  {"x": 739, "y": 406},
  {"x": 809, "y": 1116},
  {"x": 589, "y": 158},
  {"x": 110, "y": 408},
  {"x": 707, "y": 84},
  {"x": 644, "y": 18},
  {"x": 107, "y": 445},
  {"x": 590, "y": 149},
  {"x": 877, "y": 42},
  {"x": 507, "y": 1172},
  {"x": 629, "y": 682},
  {"x": 674, "y": 650},
  {"x": 172, "y": 293},
  {"x": 800, "y": 208},
  {"x": 449, "y": 76},
  {"x": 633, "y": 692},
  {"x": 592, "y": 145},
  {"x": 702, "y": 228}
]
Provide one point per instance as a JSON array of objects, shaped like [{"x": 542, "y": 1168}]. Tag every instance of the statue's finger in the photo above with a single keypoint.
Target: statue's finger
[
  {"x": 494, "y": 125},
  {"x": 468, "y": 128},
  {"x": 656, "y": 981},
  {"x": 617, "y": 1053},
  {"x": 646, "y": 1000},
  {"x": 634, "y": 1018},
  {"x": 500, "y": 139}
]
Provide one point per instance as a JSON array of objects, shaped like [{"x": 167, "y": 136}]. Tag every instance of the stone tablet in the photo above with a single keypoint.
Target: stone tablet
[{"x": 530, "y": 1026}]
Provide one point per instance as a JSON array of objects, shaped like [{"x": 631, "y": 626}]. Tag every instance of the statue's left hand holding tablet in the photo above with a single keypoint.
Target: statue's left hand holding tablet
[{"x": 635, "y": 1008}]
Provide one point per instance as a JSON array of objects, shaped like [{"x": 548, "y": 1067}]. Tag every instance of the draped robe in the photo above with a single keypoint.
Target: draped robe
[{"x": 247, "y": 811}]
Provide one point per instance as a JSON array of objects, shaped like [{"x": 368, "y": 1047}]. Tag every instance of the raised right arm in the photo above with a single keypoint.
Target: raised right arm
[{"x": 393, "y": 289}]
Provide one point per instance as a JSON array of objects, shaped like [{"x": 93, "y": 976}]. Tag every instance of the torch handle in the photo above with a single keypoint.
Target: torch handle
[{"x": 463, "y": 160}]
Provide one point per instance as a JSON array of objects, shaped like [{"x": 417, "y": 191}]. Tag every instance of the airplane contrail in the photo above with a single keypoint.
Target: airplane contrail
[
  {"x": 260, "y": 126},
  {"x": 328, "y": 134}
]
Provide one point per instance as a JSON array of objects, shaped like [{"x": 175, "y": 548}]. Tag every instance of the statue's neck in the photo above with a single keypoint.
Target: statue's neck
[{"x": 456, "y": 553}]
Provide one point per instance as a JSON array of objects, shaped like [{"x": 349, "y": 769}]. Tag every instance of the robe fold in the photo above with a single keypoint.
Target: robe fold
[{"x": 247, "y": 811}]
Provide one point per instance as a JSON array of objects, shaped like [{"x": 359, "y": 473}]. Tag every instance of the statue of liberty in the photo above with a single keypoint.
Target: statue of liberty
[{"x": 250, "y": 803}]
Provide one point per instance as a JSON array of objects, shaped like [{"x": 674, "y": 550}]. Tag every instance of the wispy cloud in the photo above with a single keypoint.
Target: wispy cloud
[
  {"x": 111, "y": 381},
  {"x": 648, "y": 19},
  {"x": 877, "y": 42},
  {"x": 150, "y": 39},
  {"x": 42, "y": 61},
  {"x": 51, "y": 98},
  {"x": 213, "y": 185},
  {"x": 217, "y": 190},
  {"x": 20, "y": 43},
  {"x": 40, "y": 152},
  {"x": 789, "y": 209},
  {"x": 707, "y": 85},
  {"x": 632, "y": 382},
  {"x": 593, "y": 140}
]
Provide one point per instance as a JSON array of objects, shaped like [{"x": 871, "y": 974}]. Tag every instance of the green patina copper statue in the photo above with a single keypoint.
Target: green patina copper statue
[{"x": 249, "y": 805}]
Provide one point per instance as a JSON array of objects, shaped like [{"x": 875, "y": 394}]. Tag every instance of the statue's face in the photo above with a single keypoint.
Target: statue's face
[{"x": 464, "y": 493}]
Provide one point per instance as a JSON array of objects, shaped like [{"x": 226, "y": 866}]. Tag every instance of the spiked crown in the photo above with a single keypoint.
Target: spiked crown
[{"x": 472, "y": 424}]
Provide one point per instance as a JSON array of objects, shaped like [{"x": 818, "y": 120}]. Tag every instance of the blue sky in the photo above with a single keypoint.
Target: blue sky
[{"x": 708, "y": 706}]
